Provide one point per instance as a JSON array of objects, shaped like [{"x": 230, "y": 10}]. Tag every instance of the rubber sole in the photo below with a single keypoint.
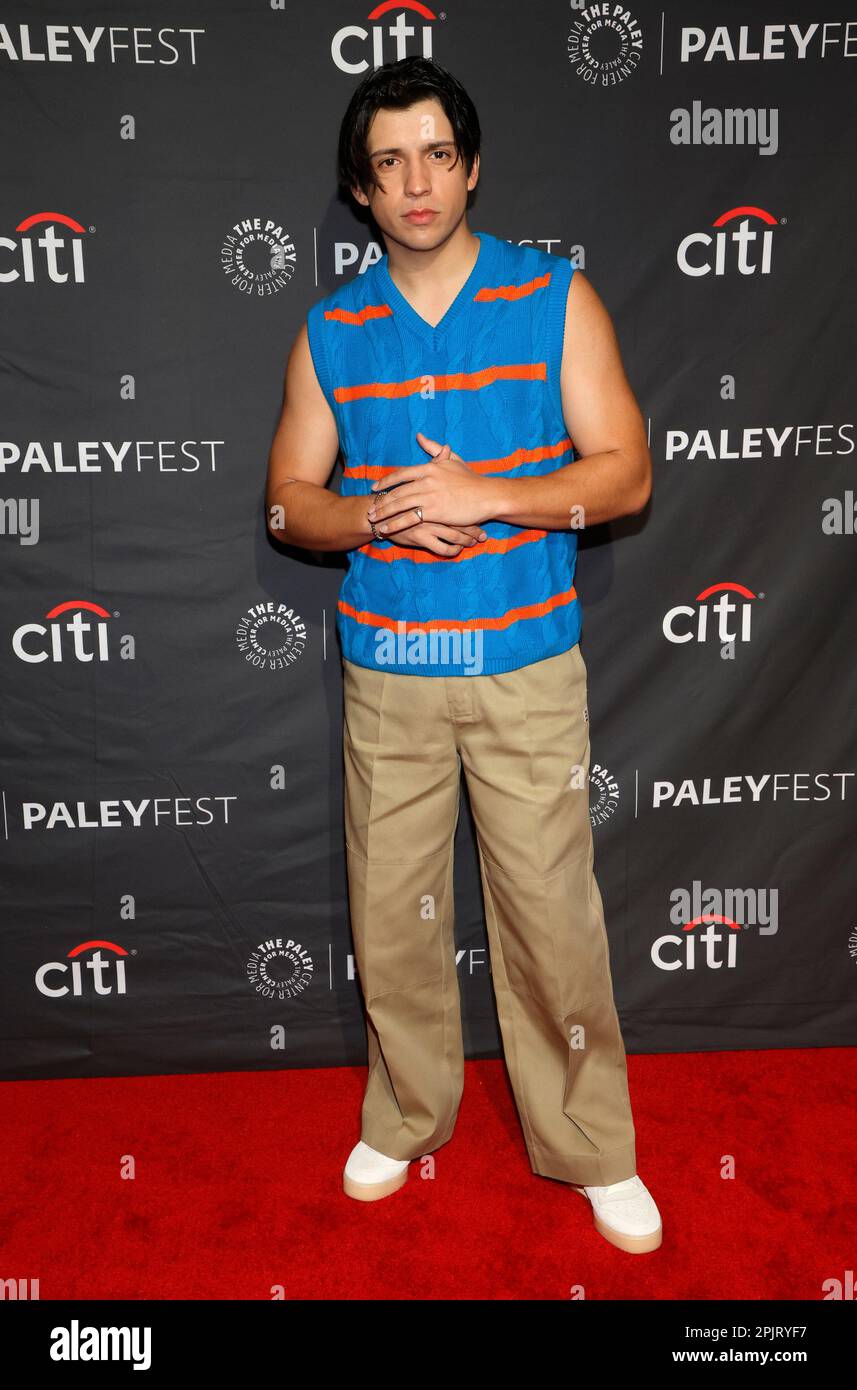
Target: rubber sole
[
  {"x": 632, "y": 1245},
  {"x": 372, "y": 1191}
]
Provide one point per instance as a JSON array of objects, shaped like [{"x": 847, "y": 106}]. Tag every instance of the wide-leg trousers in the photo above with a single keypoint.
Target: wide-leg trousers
[{"x": 522, "y": 738}]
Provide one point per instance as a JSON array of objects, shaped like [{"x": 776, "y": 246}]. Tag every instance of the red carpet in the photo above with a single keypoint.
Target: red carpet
[{"x": 238, "y": 1189}]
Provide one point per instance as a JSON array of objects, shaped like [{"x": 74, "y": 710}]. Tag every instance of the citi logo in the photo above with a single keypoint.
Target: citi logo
[
  {"x": 47, "y": 253},
  {"x": 384, "y": 42},
  {"x": 684, "y": 623},
  {"x": 56, "y": 978},
  {"x": 711, "y": 920},
  {"x": 717, "y": 937},
  {"x": 730, "y": 248},
  {"x": 69, "y": 638}
]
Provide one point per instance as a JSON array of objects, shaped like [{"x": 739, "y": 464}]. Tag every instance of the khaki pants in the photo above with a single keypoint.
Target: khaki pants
[{"x": 523, "y": 740}]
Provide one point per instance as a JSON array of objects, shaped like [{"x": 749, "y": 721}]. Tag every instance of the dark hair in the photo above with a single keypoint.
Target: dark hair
[{"x": 399, "y": 85}]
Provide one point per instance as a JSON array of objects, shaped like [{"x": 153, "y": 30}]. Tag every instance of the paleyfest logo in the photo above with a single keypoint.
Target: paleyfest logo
[
  {"x": 270, "y": 636},
  {"x": 259, "y": 256},
  {"x": 605, "y": 44}
]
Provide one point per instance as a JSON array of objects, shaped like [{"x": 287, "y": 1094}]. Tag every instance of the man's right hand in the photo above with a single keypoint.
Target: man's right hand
[{"x": 439, "y": 538}]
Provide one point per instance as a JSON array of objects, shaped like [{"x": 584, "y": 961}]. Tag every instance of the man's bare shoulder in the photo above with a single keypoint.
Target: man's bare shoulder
[
  {"x": 586, "y": 312},
  {"x": 599, "y": 406}
]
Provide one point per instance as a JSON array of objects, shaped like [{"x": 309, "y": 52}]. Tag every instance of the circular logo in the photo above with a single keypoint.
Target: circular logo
[
  {"x": 271, "y": 636},
  {"x": 280, "y": 969},
  {"x": 603, "y": 794},
  {"x": 258, "y": 256},
  {"x": 604, "y": 49}
]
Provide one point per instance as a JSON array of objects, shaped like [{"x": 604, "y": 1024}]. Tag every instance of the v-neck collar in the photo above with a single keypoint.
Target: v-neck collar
[{"x": 433, "y": 334}]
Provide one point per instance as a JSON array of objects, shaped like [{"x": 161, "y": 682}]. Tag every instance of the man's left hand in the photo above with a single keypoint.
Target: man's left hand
[{"x": 446, "y": 490}]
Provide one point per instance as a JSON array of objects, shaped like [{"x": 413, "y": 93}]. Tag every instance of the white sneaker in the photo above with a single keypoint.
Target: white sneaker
[
  {"x": 369, "y": 1174},
  {"x": 625, "y": 1214}
]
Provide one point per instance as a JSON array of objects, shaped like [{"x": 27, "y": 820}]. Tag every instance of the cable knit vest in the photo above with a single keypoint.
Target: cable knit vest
[{"x": 486, "y": 381}]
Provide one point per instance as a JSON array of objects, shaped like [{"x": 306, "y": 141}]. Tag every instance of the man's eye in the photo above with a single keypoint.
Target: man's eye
[{"x": 390, "y": 159}]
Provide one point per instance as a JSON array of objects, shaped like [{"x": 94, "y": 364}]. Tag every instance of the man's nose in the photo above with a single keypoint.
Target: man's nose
[{"x": 417, "y": 181}]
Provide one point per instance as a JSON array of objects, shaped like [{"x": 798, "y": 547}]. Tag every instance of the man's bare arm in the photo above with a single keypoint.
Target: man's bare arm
[
  {"x": 300, "y": 508},
  {"x": 613, "y": 476}
]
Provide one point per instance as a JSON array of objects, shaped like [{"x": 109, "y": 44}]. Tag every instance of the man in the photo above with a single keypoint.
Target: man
[{"x": 453, "y": 375}]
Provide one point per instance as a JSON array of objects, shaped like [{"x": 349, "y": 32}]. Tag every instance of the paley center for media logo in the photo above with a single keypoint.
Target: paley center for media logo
[
  {"x": 280, "y": 968},
  {"x": 259, "y": 256},
  {"x": 604, "y": 43},
  {"x": 271, "y": 635},
  {"x": 44, "y": 254},
  {"x": 603, "y": 792}
]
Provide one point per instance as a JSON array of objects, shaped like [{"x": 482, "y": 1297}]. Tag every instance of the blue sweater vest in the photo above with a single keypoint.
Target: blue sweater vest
[{"x": 486, "y": 381}]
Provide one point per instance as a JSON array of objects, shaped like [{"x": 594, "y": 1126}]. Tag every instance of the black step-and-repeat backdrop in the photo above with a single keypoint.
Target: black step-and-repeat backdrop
[{"x": 174, "y": 893}]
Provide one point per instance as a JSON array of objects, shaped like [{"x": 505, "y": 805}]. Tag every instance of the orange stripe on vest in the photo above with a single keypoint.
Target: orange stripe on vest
[
  {"x": 513, "y": 291},
  {"x": 371, "y": 311},
  {"x": 499, "y": 465},
  {"x": 532, "y": 610},
  {"x": 455, "y": 381}
]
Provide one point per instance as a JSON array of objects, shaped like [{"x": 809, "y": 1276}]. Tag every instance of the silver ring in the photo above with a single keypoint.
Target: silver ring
[{"x": 419, "y": 512}]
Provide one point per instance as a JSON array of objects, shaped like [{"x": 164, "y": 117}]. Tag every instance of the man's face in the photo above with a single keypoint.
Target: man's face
[{"x": 413, "y": 155}]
